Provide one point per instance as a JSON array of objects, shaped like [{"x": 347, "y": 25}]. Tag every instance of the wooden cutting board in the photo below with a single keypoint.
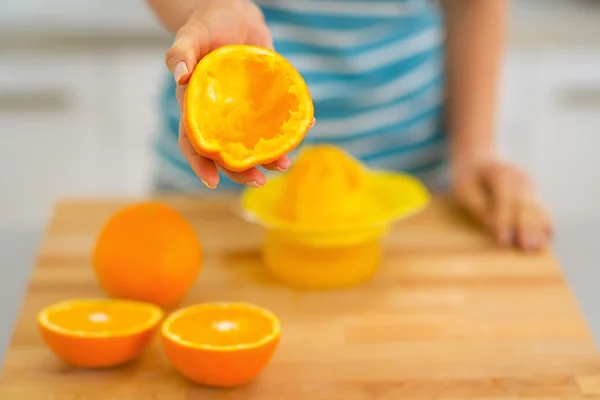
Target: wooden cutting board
[{"x": 449, "y": 316}]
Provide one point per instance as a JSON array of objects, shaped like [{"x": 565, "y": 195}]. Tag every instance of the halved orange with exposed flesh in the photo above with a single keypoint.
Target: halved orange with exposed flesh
[
  {"x": 98, "y": 333},
  {"x": 221, "y": 344},
  {"x": 246, "y": 106}
]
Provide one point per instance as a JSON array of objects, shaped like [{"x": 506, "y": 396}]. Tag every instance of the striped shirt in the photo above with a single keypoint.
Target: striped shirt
[{"x": 375, "y": 70}]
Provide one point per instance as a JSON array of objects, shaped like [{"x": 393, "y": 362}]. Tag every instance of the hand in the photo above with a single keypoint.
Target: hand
[
  {"x": 213, "y": 24},
  {"x": 501, "y": 197}
]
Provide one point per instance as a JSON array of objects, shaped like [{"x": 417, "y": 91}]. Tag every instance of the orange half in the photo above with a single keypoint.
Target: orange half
[
  {"x": 221, "y": 344},
  {"x": 98, "y": 333},
  {"x": 245, "y": 106}
]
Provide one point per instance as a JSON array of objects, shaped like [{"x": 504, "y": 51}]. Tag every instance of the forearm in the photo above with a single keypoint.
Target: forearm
[{"x": 475, "y": 44}]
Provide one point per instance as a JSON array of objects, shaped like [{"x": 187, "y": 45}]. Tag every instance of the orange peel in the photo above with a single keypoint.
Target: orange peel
[{"x": 246, "y": 106}]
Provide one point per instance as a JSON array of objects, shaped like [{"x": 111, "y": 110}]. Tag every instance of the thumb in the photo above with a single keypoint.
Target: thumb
[
  {"x": 191, "y": 43},
  {"x": 207, "y": 29}
]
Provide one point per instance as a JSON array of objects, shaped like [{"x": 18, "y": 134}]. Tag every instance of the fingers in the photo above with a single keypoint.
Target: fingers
[
  {"x": 515, "y": 216},
  {"x": 204, "y": 168},
  {"x": 191, "y": 42},
  {"x": 281, "y": 165},
  {"x": 208, "y": 28},
  {"x": 180, "y": 94},
  {"x": 471, "y": 197},
  {"x": 534, "y": 228},
  {"x": 502, "y": 213},
  {"x": 252, "y": 177}
]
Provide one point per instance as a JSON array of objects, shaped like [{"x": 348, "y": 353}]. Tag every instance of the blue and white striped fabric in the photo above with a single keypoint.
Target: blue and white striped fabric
[{"x": 375, "y": 69}]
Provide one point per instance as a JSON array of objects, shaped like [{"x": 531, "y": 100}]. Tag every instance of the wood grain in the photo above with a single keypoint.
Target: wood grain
[{"x": 449, "y": 316}]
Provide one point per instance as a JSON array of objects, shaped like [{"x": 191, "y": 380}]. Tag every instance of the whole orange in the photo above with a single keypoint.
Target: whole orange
[{"x": 147, "y": 252}]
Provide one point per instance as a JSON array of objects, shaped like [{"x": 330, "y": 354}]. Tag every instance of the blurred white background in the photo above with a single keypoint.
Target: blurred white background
[{"x": 79, "y": 84}]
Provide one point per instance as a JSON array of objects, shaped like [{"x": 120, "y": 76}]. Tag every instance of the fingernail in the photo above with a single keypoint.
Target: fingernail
[
  {"x": 207, "y": 185},
  {"x": 179, "y": 71},
  {"x": 284, "y": 166},
  {"x": 253, "y": 184}
]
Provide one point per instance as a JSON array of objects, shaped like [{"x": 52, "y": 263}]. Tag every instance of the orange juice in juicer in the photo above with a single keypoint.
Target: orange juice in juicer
[{"x": 325, "y": 218}]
